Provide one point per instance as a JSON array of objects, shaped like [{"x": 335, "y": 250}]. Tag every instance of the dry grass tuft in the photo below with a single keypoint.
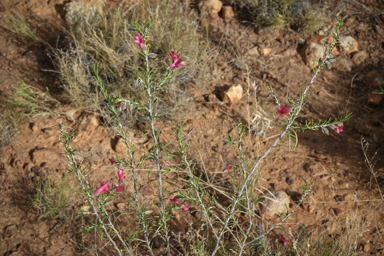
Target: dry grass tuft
[
  {"x": 10, "y": 123},
  {"x": 302, "y": 16},
  {"x": 107, "y": 40}
]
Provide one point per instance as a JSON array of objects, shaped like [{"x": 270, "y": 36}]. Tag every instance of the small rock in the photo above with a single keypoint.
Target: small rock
[
  {"x": 210, "y": 7},
  {"x": 266, "y": 51},
  {"x": 121, "y": 206},
  {"x": 312, "y": 51},
  {"x": 232, "y": 95},
  {"x": 228, "y": 12},
  {"x": 85, "y": 208},
  {"x": 253, "y": 52},
  {"x": 359, "y": 58},
  {"x": 212, "y": 98},
  {"x": 92, "y": 119},
  {"x": 289, "y": 181},
  {"x": 337, "y": 211},
  {"x": 343, "y": 64},
  {"x": 275, "y": 204},
  {"x": 348, "y": 44},
  {"x": 374, "y": 99}
]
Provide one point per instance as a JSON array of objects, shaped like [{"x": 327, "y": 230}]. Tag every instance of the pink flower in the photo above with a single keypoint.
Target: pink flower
[
  {"x": 112, "y": 159},
  {"x": 283, "y": 110},
  {"x": 103, "y": 188},
  {"x": 339, "y": 127},
  {"x": 174, "y": 200},
  {"x": 119, "y": 187},
  {"x": 120, "y": 173},
  {"x": 118, "y": 104},
  {"x": 162, "y": 162},
  {"x": 283, "y": 239},
  {"x": 184, "y": 207},
  {"x": 177, "y": 62},
  {"x": 149, "y": 212},
  {"x": 140, "y": 41},
  {"x": 228, "y": 168}
]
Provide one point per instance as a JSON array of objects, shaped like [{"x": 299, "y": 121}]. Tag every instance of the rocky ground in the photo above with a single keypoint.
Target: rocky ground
[{"x": 253, "y": 58}]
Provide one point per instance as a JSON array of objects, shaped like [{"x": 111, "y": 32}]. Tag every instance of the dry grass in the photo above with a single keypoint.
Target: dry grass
[
  {"x": 10, "y": 122},
  {"x": 302, "y": 16},
  {"x": 108, "y": 40}
]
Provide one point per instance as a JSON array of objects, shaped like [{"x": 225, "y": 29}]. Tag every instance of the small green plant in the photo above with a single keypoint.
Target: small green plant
[
  {"x": 32, "y": 100},
  {"x": 19, "y": 26},
  {"x": 52, "y": 201}
]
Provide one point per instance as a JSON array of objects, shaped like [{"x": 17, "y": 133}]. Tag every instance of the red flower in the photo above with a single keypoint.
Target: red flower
[
  {"x": 283, "y": 110},
  {"x": 139, "y": 40},
  {"x": 112, "y": 159},
  {"x": 177, "y": 62},
  {"x": 119, "y": 187},
  {"x": 103, "y": 188},
  {"x": 162, "y": 162},
  {"x": 228, "y": 168},
  {"x": 118, "y": 104},
  {"x": 149, "y": 212},
  {"x": 174, "y": 200},
  {"x": 283, "y": 239},
  {"x": 339, "y": 127},
  {"x": 120, "y": 173},
  {"x": 184, "y": 207}
]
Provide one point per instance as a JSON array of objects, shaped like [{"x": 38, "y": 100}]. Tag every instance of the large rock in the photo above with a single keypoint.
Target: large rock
[
  {"x": 348, "y": 44},
  {"x": 312, "y": 51},
  {"x": 232, "y": 95},
  {"x": 210, "y": 7},
  {"x": 275, "y": 204}
]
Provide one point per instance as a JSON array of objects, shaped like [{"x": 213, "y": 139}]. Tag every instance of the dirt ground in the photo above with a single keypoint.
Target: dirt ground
[{"x": 335, "y": 163}]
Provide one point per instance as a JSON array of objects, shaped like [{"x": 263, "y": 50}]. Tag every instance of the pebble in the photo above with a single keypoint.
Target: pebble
[
  {"x": 359, "y": 58},
  {"x": 228, "y": 12},
  {"x": 232, "y": 95},
  {"x": 121, "y": 206},
  {"x": 312, "y": 51},
  {"x": 276, "y": 204},
  {"x": 210, "y": 7},
  {"x": 348, "y": 44}
]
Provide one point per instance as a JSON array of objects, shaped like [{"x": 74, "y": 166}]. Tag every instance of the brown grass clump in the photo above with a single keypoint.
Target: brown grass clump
[
  {"x": 303, "y": 16},
  {"x": 10, "y": 122},
  {"x": 106, "y": 39}
]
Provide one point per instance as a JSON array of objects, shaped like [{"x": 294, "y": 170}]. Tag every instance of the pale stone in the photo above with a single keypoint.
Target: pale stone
[
  {"x": 228, "y": 12},
  {"x": 232, "y": 95},
  {"x": 359, "y": 58},
  {"x": 210, "y": 7},
  {"x": 348, "y": 44},
  {"x": 275, "y": 204},
  {"x": 312, "y": 51}
]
